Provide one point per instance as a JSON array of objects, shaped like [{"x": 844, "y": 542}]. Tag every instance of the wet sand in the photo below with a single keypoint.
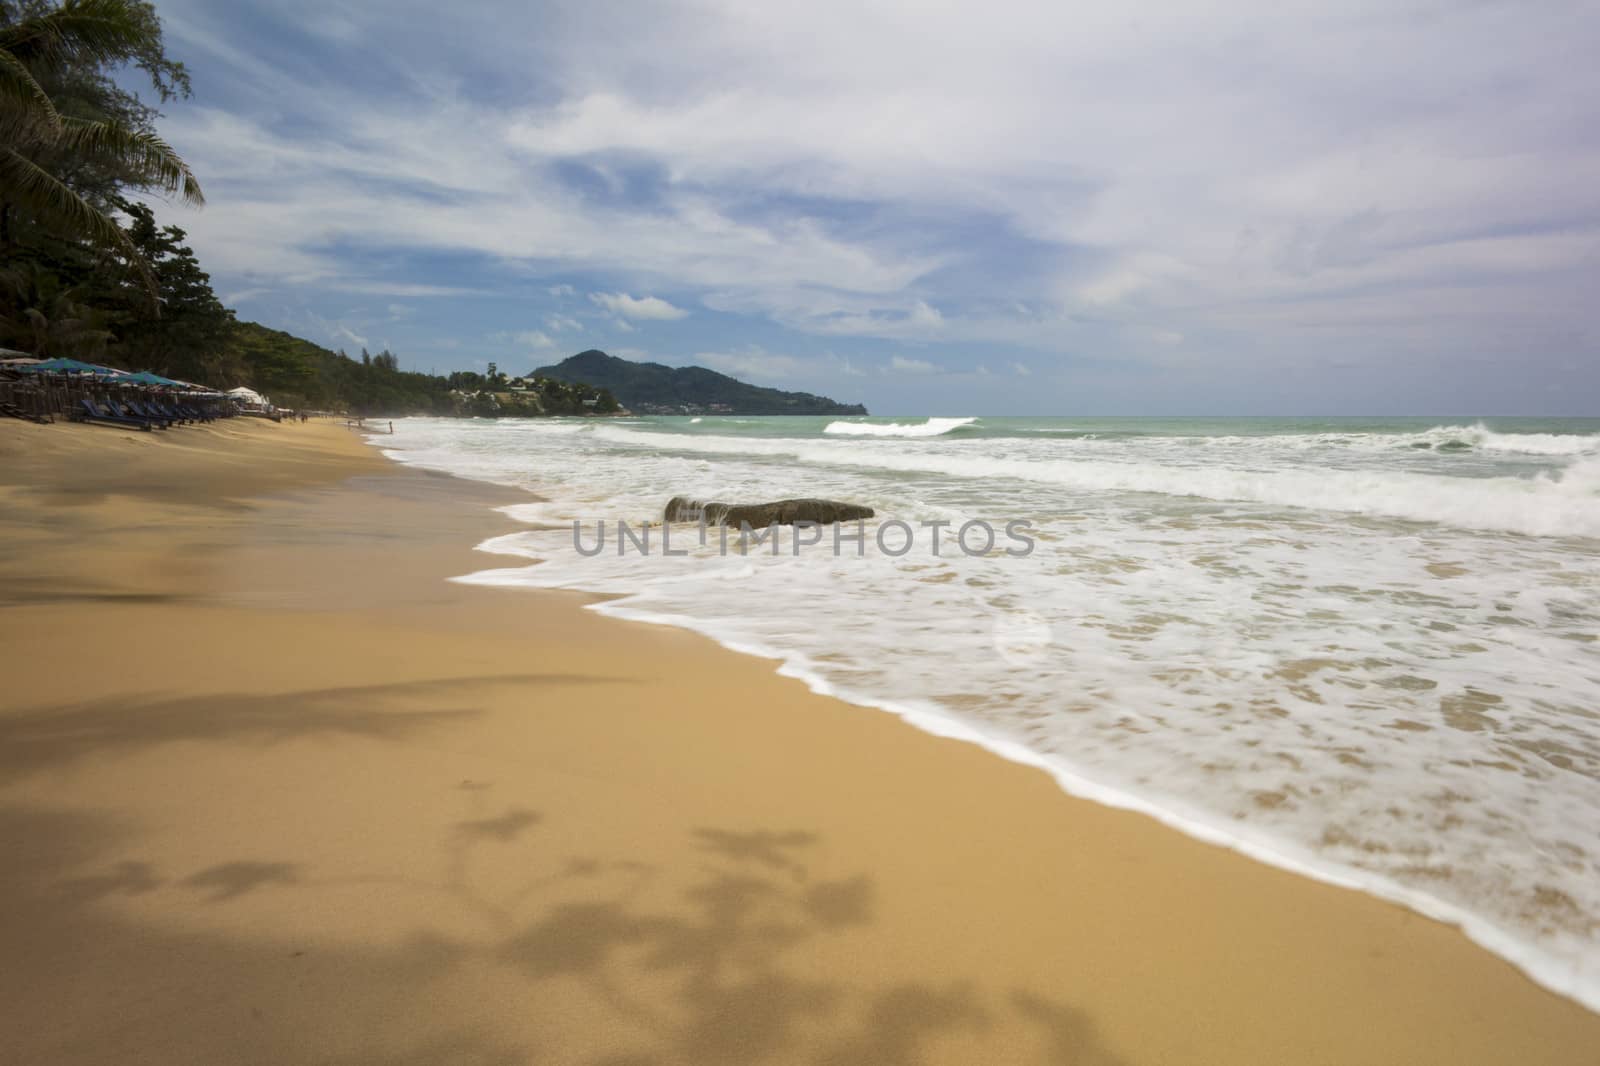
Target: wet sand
[{"x": 273, "y": 791}]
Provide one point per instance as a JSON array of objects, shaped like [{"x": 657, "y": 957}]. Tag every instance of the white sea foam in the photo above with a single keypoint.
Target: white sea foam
[
  {"x": 1479, "y": 436},
  {"x": 1566, "y": 504},
  {"x": 1402, "y": 704},
  {"x": 933, "y": 427},
  {"x": 1476, "y": 437},
  {"x": 1445, "y": 438},
  {"x": 1565, "y": 967}
]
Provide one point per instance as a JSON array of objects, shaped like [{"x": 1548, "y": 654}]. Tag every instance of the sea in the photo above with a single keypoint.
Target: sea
[{"x": 1363, "y": 649}]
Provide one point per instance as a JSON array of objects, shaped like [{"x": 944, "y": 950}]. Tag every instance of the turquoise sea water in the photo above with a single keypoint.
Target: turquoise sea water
[{"x": 1365, "y": 649}]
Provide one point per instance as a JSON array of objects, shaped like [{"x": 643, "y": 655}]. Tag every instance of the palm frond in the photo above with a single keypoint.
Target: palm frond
[
  {"x": 30, "y": 186},
  {"x": 22, "y": 93},
  {"x": 98, "y": 30},
  {"x": 141, "y": 149}
]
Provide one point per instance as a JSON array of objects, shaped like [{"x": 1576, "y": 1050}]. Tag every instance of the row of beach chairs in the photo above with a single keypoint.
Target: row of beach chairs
[{"x": 145, "y": 414}]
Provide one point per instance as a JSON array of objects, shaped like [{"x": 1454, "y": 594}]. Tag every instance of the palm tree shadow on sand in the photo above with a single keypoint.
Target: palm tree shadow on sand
[{"x": 714, "y": 969}]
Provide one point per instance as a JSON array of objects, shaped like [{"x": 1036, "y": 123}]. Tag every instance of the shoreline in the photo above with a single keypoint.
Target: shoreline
[
  {"x": 1201, "y": 826},
  {"x": 1549, "y": 971},
  {"x": 689, "y": 859}
]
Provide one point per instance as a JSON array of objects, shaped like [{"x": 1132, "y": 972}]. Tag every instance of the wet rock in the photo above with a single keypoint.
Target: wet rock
[{"x": 761, "y": 515}]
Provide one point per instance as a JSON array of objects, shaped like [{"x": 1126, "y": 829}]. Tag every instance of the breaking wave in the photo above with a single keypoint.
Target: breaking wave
[
  {"x": 933, "y": 427},
  {"x": 1566, "y": 503}
]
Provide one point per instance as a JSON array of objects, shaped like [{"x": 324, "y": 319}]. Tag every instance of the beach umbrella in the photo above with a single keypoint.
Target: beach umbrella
[
  {"x": 61, "y": 390},
  {"x": 70, "y": 366},
  {"x": 145, "y": 377}
]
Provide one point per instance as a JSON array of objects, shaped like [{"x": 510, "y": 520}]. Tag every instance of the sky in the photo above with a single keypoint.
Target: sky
[{"x": 1058, "y": 208}]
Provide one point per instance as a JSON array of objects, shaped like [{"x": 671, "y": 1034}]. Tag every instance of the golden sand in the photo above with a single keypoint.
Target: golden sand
[{"x": 273, "y": 791}]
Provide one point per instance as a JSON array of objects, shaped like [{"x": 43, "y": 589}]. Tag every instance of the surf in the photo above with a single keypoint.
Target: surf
[{"x": 933, "y": 427}]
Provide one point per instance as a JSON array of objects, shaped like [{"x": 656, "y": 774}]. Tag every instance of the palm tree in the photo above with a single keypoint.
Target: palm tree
[
  {"x": 33, "y": 132},
  {"x": 53, "y": 321}
]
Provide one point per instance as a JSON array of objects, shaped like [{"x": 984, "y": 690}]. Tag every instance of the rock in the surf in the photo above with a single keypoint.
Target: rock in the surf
[{"x": 761, "y": 515}]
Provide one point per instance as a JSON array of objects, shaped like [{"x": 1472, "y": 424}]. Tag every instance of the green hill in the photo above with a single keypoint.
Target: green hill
[
  {"x": 651, "y": 388},
  {"x": 297, "y": 373}
]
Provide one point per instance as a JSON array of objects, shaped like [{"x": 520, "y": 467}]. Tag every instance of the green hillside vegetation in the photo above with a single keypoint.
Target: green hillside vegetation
[
  {"x": 297, "y": 373},
  {"x": 652, "y": 388}
]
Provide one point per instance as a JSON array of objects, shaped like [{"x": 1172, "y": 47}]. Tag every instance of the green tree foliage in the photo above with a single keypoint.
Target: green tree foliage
[
  {"x": 190, "y": 337},
  {"x": 70, "y": 139},
  {"x": 55, "y": 317},
  {"x": 62, "y": 298},
  {"x": 297, "y": 373},
  {"x": 87, "y": 271}
]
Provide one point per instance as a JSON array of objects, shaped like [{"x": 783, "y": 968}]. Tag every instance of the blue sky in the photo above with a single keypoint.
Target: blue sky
[{"x": 931, "y": 208}]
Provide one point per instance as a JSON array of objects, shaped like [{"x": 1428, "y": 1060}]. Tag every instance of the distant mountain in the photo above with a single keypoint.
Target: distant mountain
[{"x": 651, "y": 388}]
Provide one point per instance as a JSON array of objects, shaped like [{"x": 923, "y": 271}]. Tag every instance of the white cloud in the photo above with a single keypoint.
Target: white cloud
[
  {"x": 560, "y": 323},
  {"x": 902, "y": 365},
  {"x": 1020, "y": 370},
  {"x": 388, "y": 288},
  {"x": 345, "y": 333},
  {"x": 528, "y": 338},
  {"x": 755, "y": 363},
  {"x": 1129, "y": 276},
  {"x": 642, "y": 307},
  {"x": 1218, "y": 174},
  {"x": 840, "y": 314},
  {"x": 917, "y": 321},
  {"x": 337, "y": 332}
]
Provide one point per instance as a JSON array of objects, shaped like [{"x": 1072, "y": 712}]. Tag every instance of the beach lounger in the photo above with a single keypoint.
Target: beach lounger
[
  {"x": 88, "y": 412},
  {"x": 155, "y": 409},
  {"x": 120, "y": 411},
  {"x": 161, "y": 410},
  {"x": 147, "y": 412},
  {"x": 107, "y": 411}
]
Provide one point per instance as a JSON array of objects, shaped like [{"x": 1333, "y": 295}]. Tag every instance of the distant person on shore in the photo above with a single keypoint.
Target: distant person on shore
[{"x": 391, "y": 428}]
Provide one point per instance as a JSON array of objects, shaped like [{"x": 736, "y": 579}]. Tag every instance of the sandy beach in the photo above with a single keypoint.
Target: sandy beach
[{"x": 273, "y": 790}]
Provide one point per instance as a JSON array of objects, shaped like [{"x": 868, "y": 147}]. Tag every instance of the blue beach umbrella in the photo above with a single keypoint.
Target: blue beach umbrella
[
  {"x": 145, "y": 377},
  {"x": 69, "y": 366}
]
